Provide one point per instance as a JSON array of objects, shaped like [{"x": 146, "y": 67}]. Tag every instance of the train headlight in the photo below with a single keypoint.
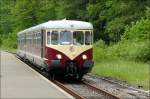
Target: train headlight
[
  {"x": 59, "y": 56},
  {"x": 84, "y": 57}
]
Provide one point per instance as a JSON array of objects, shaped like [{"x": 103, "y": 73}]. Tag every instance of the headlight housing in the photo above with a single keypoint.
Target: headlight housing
[
  {"x": 84, "y": 57},
  {"x": 59, "y": 56}
]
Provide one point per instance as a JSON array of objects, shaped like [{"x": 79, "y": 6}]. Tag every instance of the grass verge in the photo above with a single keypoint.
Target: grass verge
[
  {"x": 8, "y": 49},
  {"x": 135, "y": 73}
]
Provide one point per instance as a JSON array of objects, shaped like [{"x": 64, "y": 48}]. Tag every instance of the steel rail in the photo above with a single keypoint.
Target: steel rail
[
  {"x": 71, "y": 92},
  {"x": 100, "y": 91}
]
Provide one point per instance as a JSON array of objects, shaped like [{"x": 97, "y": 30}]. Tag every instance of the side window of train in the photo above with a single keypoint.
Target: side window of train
[
  {"x": 32, "y": 38},
  {"x": 39, "y": 39},
  {"x": 87, "y": 38},
  {"x": 18, "y": 41},
  {"x": 36, "y": 40},
  {"x": 48, "y": 37},
  {"x": 54, "y": 37}
]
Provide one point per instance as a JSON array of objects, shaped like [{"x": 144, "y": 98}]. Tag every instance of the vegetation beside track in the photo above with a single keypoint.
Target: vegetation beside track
[
  {"x": 134, "y": 73},
  {"x": 121, "y": 28},
  {"x": 129, "y": 59}
]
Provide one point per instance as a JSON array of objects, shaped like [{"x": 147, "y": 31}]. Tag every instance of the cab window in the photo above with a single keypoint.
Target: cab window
[
  {"x": 65, "y": 38},
  {"x": 87, "y": 38},
  {"x": 78, "y": 38},
  {"x": 54, "y": 37}
]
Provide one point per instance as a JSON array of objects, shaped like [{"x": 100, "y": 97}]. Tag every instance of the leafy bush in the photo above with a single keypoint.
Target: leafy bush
[
  {"x": 138, "y": 36},
  {"x": 99, "y": 51},
  {"x": 130, "y": 51},
  {"x": 139, "y": 31},
  {"x": 134, "y": 44},
  {"x": 9, "y": 42},
  {"x": 147, "y": 13},
  {"x": 144, "y": 53},
  {"x": 0, "y": 42}
]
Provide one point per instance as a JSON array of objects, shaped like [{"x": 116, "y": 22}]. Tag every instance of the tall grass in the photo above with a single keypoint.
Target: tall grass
[{"x": 135, "y": 73}]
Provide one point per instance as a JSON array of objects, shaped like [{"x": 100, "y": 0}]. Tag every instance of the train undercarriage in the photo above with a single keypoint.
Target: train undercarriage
[{"x": 71, "y": 69}]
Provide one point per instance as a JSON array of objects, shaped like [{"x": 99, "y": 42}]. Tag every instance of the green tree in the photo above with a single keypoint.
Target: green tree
[
  {"x": 45, "y": 10},
  {"x": 111, "y": 17},
  {"x": 5, "y": 16},
  {"x": 24, "y": 14},
  {"x": 136, "y": 38},
  {"x": 72, "y": 9}
]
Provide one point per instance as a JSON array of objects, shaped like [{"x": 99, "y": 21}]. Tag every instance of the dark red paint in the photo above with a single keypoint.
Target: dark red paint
[{"x": 51, "y": 53}]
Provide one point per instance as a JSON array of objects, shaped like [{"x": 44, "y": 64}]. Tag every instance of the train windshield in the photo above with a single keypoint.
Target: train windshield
[
  {"x": 68, "y": 37},
  {"x": 65, "y": 38}
]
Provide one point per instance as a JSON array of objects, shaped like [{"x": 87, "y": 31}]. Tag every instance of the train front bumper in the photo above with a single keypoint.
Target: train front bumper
[
  {"x": 56, "y": 65},
  {"x": 87, "y": 66}
]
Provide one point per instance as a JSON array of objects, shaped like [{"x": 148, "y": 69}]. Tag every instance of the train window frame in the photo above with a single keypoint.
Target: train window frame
[
  {"x": 33, "y": 39},
  {"x": 71, "y": 30},
  {"x": 58, "y": 37},
  {"x": 71, "y": 41},
  {"x": 49, "y": 37},
  {"x": 92, "y": 37},
  {"x": 83, "y": 37},
  {"x": 91, "y": 32},
  {"x": 90, "y": 42},
  {"x": 39, "y": 39},
  {"x": 36, "y": 39}
]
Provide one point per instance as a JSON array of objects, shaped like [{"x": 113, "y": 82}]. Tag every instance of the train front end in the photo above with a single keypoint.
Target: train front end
[{"x": 69, "y": 52}]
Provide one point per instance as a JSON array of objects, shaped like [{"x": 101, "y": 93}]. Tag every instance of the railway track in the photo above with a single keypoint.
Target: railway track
[
  {"x": 74, "y": 94},
  {"x": 100, "y": 91},
  {"x": 84, "y": 90}
]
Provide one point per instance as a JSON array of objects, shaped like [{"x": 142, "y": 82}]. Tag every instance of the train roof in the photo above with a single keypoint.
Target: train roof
[{"x": 61, "y": 24}]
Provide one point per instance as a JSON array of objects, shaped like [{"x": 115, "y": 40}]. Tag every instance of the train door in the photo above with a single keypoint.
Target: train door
[{"x": 43, "y": 43}]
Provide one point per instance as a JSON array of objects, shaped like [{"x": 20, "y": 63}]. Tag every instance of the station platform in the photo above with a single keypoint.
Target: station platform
[{"x": 20, "y": 81}]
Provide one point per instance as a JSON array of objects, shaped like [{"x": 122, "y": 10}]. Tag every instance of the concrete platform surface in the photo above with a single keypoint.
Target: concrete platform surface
[{"x": 20, "y": 81}]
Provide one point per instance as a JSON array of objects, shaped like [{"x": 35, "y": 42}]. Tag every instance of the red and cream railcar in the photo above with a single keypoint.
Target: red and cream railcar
[{"x": 58, "y": 47}]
